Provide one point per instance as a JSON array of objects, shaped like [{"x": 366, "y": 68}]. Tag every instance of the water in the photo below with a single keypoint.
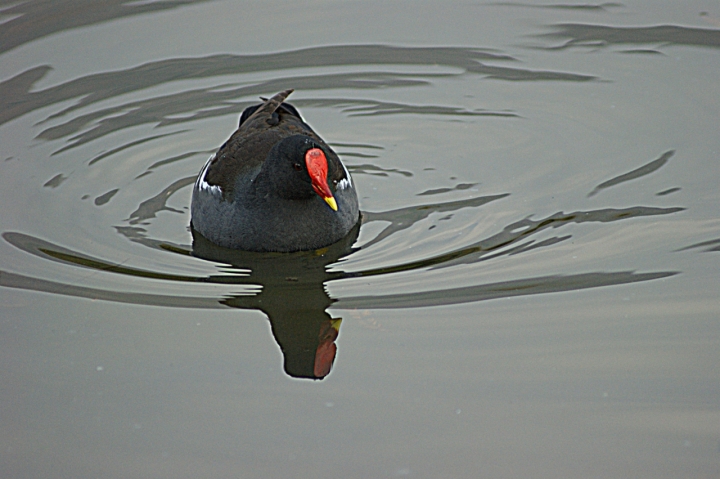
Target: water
[{"x": 532, "y": 293}]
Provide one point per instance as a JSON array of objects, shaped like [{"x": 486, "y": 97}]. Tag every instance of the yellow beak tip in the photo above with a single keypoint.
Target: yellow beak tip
[{"x": 331, "y": 202}]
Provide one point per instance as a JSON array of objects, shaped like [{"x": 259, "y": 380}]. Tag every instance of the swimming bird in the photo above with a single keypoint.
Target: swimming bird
[{"x": 274, "y": 185}]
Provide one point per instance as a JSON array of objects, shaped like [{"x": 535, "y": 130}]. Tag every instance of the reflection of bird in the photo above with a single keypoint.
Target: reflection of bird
[
  {"x": 293, "y": 297},
  {"x": 275, "y": 185}
]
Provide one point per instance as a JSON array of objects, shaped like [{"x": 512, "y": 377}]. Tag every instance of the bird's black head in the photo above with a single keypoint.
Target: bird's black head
[{"x": 299, "y": 166}]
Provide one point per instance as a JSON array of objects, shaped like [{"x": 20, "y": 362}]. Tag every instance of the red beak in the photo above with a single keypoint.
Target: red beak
[{"x": 317, "y": 169}]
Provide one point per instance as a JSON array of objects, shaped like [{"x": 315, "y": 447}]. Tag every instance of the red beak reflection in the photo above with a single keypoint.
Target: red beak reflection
[{"x": 326, "y": 350}]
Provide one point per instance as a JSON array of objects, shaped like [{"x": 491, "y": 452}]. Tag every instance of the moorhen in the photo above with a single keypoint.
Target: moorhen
[{"x": 274, "y": 185}]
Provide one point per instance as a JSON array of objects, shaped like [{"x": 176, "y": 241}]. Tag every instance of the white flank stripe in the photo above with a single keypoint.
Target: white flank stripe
[
  {"x": 345, "y": 182},
  {"x": 203, "y": 185}
]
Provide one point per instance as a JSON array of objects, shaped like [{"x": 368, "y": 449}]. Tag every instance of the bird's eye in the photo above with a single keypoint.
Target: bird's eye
[
  {"x": 297, "y": 166},
  {"x": 335, "y": 182}
]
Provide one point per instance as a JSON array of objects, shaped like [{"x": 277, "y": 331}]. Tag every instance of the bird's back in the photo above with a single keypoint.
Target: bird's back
[{"x": 261, "y": 127}]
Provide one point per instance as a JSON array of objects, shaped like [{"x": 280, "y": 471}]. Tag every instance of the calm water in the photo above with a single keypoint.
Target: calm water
[{"x": 533, "y": 291}]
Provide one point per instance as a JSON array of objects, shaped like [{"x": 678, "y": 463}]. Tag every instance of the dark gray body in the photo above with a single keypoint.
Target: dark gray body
[{"x": 245, "y": 199}]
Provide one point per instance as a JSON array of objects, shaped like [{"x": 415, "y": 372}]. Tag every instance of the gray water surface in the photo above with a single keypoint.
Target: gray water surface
[{"x": 533, "y": 291}]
